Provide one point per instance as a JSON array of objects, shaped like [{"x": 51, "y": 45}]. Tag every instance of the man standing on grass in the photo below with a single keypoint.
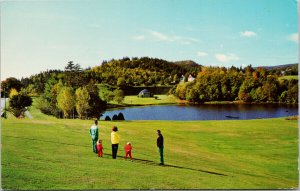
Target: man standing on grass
[
  {"x": 160, "y": 145},
  {"x": 94, "y": 134}
]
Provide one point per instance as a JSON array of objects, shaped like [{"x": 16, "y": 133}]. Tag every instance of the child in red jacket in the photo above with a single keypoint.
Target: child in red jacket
[
  {"x": 128, "y": 149},
  {"x": 100, "y": 148}
]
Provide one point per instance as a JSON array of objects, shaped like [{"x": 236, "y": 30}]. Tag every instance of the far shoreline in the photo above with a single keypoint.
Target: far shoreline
[{"x": 187, "y": 103}]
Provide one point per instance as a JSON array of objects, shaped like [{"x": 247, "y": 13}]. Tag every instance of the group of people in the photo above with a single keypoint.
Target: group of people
[{"x": 115, "y": 140}]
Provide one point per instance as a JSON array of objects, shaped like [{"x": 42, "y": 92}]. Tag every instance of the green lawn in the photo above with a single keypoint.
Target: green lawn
[
  {"x": 49, "y": 153},
  {"x": 161, "y": 99},
  {"x": 288, "y": 77}
]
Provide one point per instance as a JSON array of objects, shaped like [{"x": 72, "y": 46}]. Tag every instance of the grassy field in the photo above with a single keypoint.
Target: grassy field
[
  {"x": 288, "y": 77},
  {"x": 49, "y": 153},
  {"x": 160, "y": 100}
]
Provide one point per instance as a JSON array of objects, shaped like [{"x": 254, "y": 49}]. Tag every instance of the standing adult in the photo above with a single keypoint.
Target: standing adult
[
  {"x": 94, "y": 135},
  {"x": 115, "y": 140},
  {"x": 160, "y": 145}
]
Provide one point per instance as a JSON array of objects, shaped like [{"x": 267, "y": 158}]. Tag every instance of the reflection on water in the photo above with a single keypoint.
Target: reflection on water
[{"x": 206, "y": 112}]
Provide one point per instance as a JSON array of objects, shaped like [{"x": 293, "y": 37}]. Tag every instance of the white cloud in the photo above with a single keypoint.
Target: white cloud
[
  {"x": 161, "y": 36},
  {"x": 294, "y": 38},
  {"x": 201, "y": 54},
  {"x": 248, "y": 34},
  {"x": 139, "y": 37},
  {"x": 226, "y": 57},
  {"x": 173, "y": 38}
]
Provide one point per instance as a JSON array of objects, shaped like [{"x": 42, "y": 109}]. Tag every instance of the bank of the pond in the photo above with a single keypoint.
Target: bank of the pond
[{"x": 134, "y": 101}]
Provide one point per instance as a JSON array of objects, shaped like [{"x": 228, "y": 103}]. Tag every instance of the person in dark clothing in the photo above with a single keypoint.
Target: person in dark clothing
[
  {"x": 160, "y": 145},
  {"x": 115, "y": 140}
]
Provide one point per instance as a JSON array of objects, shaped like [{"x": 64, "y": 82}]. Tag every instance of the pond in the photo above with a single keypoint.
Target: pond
[{"x": 205, "y": 112}]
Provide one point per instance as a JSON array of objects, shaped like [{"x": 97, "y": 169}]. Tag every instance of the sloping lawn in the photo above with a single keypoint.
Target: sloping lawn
[{"x": 49, "y": 153}]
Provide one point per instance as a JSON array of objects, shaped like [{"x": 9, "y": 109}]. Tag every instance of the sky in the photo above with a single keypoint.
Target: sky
[{"x": 42, "y": 35}]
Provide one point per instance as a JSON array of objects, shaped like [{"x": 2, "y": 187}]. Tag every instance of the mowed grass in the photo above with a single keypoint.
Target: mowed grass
[
  {"x": 161, "y": 99},
  {"x": 288, "y": 77},
  {"x": 49, "y": 153}
]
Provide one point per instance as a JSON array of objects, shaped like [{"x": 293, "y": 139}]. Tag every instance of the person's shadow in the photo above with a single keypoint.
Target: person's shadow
[{"x": 149, "y": 162}]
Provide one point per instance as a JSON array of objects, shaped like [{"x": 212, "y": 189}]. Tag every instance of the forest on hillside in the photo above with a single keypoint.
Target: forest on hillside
[
  {"x": 74, "y": 91},
  {"x": 144, "y": 71},
  {"x": 248, "y": 85}
]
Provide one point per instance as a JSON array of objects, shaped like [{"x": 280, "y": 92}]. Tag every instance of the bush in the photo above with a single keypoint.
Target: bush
[
  {"x": 18, "y": 104},
  {"x": 107, "y": 118},
  {"x": 45, "y": 107},
  {"x": 115, "y": 117},
  {"x": 121, "y": 116},
  {"x": 292, "y": 117}
]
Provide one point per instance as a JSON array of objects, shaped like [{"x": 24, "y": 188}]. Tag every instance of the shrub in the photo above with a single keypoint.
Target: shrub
[
  {"x": 107, "y": 118},
  {"x": 115, "y": 117},
  {"x": 18, "y": 104},
  {"x": 292, "y": 117},
  {"x": 121, "y": 116},
  {"x": 66, "y": 101}
]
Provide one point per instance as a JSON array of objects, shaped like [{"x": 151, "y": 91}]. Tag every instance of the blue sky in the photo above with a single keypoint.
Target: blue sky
[{"x": 41, "y": 35}]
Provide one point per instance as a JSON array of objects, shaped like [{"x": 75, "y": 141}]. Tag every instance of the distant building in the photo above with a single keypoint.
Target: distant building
[
  {"x": 145, "y": 93},
  {"x": 182, "y": 78},
  {"x": 191, "y": 78}
]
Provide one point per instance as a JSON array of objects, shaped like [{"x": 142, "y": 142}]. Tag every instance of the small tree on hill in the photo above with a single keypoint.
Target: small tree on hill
[
  {"x": 121, "y": 82},
  {"x": 82, "y": 102},
  {"x": 13, "y": 92},
  {"x": 97, "y": 105},
  {"x": 10, "y": 83},
  {"x": 18, "y": 104},
  {"x": 119, "y": 96},
  {"x": 66, "y": 101}
]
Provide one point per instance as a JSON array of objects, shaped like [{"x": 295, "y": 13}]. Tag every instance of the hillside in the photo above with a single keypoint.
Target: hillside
[
  {"x": 285, "y": 69},
  {"x": 55, "y": 154},
  {"x": 144, "y": 71},
  {"x": 283, "y": 66},
  {"x": 188, "y": 63}
]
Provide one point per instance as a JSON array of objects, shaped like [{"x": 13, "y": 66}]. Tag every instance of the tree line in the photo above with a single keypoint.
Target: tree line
[
  {"x": 64, "y": 94},
  {"x": 247, "y": 85},
  {"x": 73, "y": 92},
  {"x": 143, "y": 71}
]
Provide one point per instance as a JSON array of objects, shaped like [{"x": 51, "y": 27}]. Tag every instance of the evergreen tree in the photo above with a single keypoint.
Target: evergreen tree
[
  {"x": 121, "y": 116},
  {"x": 107, "y": 118},
  {"x": 115, "y": 117}
]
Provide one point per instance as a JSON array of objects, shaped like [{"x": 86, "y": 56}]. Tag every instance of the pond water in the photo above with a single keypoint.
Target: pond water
[{"x": 205, "y": 112}]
